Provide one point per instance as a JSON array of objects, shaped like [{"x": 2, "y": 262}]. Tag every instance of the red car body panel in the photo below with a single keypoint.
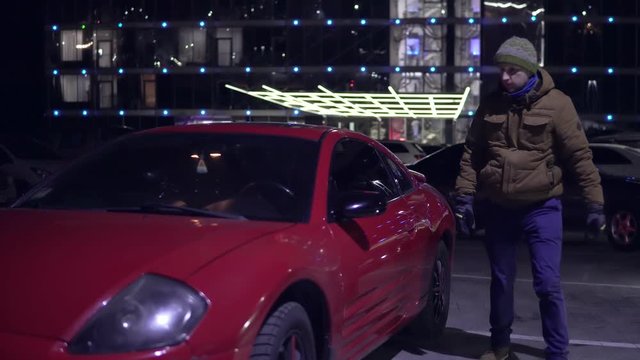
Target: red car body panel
[
  {"x": 87, "y": 257},
  {"x": 371, "y": 274}
]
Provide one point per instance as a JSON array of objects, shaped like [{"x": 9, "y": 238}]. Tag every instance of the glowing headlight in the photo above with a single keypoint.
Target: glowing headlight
[{"x": 152, "y": 312}]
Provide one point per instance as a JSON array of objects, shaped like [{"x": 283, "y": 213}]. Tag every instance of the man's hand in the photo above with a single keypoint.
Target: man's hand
[
  {"x": 596, "y": 221},
  {"x": 463, "y": 210}
]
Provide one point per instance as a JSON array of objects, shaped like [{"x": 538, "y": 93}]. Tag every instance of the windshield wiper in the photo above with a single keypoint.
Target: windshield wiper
[{"x": 179, "y": 210}]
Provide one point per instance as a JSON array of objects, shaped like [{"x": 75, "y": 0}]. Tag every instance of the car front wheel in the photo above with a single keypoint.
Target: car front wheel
[
  {"x": 623, "y": 230},
  {"x": 431, "y": 321},
  {"x": 286, "y": 335}
]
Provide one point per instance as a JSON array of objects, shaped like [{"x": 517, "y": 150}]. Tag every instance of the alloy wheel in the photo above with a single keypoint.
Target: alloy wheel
[
  {"x": 291, "y": 349},
  {"x": 437, "y": 283},
  {"x": 624, "y": 228}
]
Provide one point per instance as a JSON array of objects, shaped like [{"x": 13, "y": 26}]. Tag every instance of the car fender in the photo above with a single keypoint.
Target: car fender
[{"x": 243, "y": 286}]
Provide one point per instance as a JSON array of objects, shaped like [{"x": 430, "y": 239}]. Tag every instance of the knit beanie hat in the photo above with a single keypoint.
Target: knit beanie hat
[{"x": 518, "y": 51}]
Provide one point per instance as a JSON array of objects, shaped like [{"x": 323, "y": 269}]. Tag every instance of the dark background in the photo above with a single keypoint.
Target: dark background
[
  {"x": 23, "y": 97},
  {"x": 23, "y": 76}
]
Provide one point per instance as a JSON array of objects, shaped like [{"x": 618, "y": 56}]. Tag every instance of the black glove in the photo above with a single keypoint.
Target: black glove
[
  {"x": 596, "y": 221},
  {"x": 463, "y": 210}
]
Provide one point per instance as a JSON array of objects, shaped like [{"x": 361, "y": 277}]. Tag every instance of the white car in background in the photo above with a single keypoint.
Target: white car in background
[
  {"x": 616, "y": 160},
  {"x": 407, "y": 151},
  {"x": 23, "y": 163}
]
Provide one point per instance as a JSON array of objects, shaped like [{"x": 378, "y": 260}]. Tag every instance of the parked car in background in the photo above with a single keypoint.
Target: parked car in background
[
  {"x": 618, "y": 167},
  {"x": 430, "y": 148},
  {"x": 407, "y": 151},
  {"x": 73, "y": 143},
  {"x": 25, "y": 161},
  {"x": 629, "y": 138},
  {"x": 230, "y": 241},
  {"x": 616, "y": 160}
]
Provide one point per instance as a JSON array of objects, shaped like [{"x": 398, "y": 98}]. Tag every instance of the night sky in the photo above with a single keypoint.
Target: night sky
[{"x": 23, "y": 80}]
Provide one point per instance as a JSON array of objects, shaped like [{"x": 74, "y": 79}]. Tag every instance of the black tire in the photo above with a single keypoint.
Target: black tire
[
  {"x": 622, "y": 229},
  {"x": 430, "y": 323},
  {"x": 286, "y": 335}
]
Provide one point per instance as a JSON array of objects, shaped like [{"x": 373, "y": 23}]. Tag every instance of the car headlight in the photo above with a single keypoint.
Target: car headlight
[{"x": 152, "y": 312}]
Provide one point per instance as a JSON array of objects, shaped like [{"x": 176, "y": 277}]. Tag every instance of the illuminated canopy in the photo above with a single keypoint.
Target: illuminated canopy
[{"x": 377, "y": 105}]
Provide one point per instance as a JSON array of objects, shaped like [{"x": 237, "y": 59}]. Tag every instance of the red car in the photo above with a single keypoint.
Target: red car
[{"x": 227, "y": 241}]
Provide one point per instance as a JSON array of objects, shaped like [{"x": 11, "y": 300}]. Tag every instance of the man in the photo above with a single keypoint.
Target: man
[{"x": 523, "y": 138}]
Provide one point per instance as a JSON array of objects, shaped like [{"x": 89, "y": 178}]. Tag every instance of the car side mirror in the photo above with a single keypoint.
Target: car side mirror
[
  {"x": 357, "y": 204},
  {"x": 422, "y": 179}
]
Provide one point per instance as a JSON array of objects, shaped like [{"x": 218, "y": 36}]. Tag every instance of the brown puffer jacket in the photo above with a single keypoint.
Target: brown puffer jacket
[{"x": 515, "y": 153}]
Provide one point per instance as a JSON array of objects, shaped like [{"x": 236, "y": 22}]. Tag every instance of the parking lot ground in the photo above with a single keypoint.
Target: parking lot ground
[{"x": 602, "y": 292}]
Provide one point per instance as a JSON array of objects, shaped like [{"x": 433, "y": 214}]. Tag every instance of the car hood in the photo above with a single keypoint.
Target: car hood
[{"x": 57, "y": 266}]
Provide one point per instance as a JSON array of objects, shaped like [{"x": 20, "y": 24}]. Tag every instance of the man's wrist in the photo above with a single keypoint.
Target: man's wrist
[{"x": 595, "y": 207}]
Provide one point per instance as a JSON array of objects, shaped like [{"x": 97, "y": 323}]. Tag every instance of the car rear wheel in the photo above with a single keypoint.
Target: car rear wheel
[
  {"x": 623, "y": 230},
  {"x": 431, "y": 321},
  {"x": 286, "y": 335}
]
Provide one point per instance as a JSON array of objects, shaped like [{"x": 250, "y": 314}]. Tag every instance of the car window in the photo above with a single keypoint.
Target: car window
[
  {"x": 395, "y": 147},
  {"x": 401, "y": 178},
  {"x": 608, "y": 157},
  {"x": 355, "y": 166},
  {"x": 255, "y": 176}
]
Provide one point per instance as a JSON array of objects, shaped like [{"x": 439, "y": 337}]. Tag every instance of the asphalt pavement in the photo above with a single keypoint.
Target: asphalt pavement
[{"x": 602, "y": 291}]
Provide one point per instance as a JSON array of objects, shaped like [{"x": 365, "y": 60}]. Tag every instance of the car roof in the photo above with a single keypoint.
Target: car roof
[
  {"x": 631, "y": 135},
  {"x": 304, "y": 131},
  {"x": 620, "y": 147}
]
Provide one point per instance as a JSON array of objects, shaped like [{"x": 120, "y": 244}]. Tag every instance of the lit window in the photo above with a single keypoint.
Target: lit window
[
  {"x": 192, "y": 46},
  {"x": 75, "y": 88},
  {"x": 71, "y": 40}
]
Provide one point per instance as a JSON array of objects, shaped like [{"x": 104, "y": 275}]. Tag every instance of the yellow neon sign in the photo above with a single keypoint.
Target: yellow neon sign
[{"x": 377, "y": 105}]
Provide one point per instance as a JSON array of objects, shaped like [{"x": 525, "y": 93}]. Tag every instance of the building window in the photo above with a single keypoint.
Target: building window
[
  {"x": 229, "y": 43},
  {"x": 193, "y": 46},
  {"x": 105, "y": 53},
  {"x": 224, "y": 52},
  {"x": 149, "y": 90},
  {"x": 75, "y": 88},
  {"x": 108, "y": 90},
  {"x": 71, "y": 45}
]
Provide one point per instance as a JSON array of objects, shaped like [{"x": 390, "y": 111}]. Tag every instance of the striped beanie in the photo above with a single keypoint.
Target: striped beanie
[{"x": 518, "y": 51}]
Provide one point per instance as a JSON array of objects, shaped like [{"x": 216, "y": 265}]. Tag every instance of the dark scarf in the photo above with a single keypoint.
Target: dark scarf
[
  {"x": 524, "y": 97},
  {"x": 533, "y": 81}
]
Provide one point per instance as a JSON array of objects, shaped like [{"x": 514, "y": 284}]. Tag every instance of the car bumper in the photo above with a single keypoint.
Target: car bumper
[{"x": 24, "y": 347}]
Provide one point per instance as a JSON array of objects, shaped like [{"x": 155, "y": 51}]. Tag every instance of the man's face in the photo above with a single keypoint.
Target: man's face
[{"x": 513, "y": 77}]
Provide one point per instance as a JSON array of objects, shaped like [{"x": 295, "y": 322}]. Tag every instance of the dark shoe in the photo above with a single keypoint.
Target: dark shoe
[{"x": 503, "y": 353}]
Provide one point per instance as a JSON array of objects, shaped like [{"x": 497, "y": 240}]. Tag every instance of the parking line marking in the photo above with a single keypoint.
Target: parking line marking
[
  {"x": 571, "y": 342},
  {"x": 461, "y": 276}
]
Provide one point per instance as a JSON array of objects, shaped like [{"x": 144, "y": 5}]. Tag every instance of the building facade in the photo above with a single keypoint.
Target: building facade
[{"x": 147, "y": 63}]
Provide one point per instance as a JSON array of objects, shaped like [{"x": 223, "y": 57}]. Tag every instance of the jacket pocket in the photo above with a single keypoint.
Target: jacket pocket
[
  {"x": 495, "y": 128},
  {"x": 535, "y": 132},
  {"x": 521, "y": 181}
]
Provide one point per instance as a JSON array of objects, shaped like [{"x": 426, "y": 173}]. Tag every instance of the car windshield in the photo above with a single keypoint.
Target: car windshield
[{"x": 228, "y": 175}]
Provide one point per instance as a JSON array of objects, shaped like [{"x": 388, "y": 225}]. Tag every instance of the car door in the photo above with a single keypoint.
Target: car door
[
  {"x": 370, "y": 246},
  {"x": 417, "y": 252}
]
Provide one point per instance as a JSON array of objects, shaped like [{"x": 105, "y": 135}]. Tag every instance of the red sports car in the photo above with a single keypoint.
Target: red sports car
[{"x": 228, "y": 241}]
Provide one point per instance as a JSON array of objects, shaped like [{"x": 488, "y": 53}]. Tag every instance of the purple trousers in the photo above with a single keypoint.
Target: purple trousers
[{"x": 540, "y": 225}]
